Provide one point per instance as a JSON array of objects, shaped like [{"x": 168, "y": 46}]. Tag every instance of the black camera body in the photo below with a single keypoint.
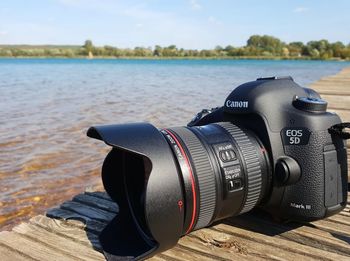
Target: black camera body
[
  {"x": 270, "y": 146},
  {"x": 308, "y": 164}
]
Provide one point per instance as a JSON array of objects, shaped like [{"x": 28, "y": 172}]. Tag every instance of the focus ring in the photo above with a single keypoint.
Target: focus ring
[
  {"x": 251, "y": 160},
  {"x": 204, "y": 173}
]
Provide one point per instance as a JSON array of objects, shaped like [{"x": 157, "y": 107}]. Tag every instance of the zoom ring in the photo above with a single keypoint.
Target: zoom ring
[
  {"x": 253, "y": 166},
  {"x": 204, "y": 173}
]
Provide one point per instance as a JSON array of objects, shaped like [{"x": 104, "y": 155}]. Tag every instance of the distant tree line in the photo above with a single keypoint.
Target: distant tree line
[{"x": 258, "y": 46}]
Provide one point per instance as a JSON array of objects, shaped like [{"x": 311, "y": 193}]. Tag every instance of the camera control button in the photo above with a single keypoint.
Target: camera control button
[
  {"x": 232, "y": 155},
  {"x": 287, "y": 171},
  {"x": 223, "y": 156},
  {"x": 230, "y": 185},
  {"x": 234, "y": 184},
  {"x": 227, "y": 155},
  {"x": 310, "y": 104},
  {"x": 275, "y": 78}
]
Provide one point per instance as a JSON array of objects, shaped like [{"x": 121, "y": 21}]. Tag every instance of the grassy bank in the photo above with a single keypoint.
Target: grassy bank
[{"x": 258, "y": 47}]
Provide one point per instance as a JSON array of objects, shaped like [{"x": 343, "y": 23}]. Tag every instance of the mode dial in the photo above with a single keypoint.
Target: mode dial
[{"x": 310, "y": 104}]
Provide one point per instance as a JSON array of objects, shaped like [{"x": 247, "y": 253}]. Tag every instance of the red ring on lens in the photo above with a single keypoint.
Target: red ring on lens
[{"x": 193, "y": 185}]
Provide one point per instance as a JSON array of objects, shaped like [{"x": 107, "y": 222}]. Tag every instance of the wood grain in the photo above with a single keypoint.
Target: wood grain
[
  {"x": 9, "y": 254},
  {"x": 32, "y": 248},
  {"x": 58, "y": 242},
  {"x": 73, "y": 235}
]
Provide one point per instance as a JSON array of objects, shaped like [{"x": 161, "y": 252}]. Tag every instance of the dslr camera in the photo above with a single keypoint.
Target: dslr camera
[{"x": 272, "y": 145}]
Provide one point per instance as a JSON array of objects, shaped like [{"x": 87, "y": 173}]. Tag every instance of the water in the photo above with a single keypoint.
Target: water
[{"x": 46, "y": 106}]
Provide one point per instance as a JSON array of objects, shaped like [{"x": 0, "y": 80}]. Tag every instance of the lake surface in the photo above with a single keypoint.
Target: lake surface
[{"x": 46, "y": 106}]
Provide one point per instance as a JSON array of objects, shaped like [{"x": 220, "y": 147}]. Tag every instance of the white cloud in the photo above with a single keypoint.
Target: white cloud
[
  {"x": 3, "y": 32},
  {"x": 300, "y": 9},
  {"x": 195, "y": 5}
]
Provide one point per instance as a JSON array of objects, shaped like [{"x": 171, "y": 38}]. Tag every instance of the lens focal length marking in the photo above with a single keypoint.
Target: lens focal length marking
[{"x": 181, "y": 155}]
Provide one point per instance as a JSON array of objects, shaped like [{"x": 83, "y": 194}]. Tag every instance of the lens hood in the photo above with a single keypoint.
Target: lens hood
[{"x": 140, "y": 174}]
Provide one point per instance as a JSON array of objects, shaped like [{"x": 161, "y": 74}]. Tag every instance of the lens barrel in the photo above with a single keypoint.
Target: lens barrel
[{"x": 225, "y": 172}]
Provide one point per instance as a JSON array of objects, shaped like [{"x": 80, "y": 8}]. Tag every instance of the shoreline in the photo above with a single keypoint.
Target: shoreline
[{"x": 262, "y": 58}]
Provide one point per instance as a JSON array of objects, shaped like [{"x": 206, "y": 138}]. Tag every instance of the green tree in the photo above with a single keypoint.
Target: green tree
[
  {"x": 158, "y": 51},
  {"x": 170, "y": 51},
  {"x": 265, "y": 43},
  {"x": 319, "y": 49},
  {"x": 337, "y": 48},
  {"x": 88, "y": 46},
  {"x": 296, "y": 48},
  {"x": 345, "y": 53}
]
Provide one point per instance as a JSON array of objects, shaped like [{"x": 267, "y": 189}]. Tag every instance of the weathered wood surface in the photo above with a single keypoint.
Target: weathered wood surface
[
  {"x": 70, "y": 232},
  {"x": 335, "y": 89}
]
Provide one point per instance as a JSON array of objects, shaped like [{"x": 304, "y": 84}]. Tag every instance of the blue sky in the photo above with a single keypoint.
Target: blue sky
[{"x": 185, "y": 23}]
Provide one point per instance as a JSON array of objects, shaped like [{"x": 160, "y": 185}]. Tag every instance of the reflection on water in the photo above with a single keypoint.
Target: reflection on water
[{"x": 47, "y": 105}]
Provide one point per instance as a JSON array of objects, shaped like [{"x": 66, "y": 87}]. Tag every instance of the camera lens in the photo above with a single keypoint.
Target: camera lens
[
  {"x": 170, "y": 182},
  {"x": 224, "y": 171}
]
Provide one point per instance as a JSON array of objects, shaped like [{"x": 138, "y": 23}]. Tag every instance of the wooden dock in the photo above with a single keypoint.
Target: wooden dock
[{"x": 70, "y": 231}]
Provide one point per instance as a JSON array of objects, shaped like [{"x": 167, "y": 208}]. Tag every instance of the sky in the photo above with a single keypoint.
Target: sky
[{"x": 195, "y": 24}]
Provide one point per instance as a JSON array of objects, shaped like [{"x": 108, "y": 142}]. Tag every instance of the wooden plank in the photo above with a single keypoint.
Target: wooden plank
[
  {"x": 335, "y": 89},
  {"x": 337, "y": 101},
  {"x": 159, "y": 257},
  {"x": 276, "y": 232},
  {"x": 72, "y": 229},
  {"x": 332, "y": 227},
  {"x": 99, "y": 194},
  {"x": 88, "y": 211},
  {"x": 189, "y": 253},
  {"x": 204, "y": 248},
  {"x": 34, "y": 249},
  {"x": 97, "y": 202},
  {"x": 58, "y": 242},
  {"x": 325, "y": 89},
  {"x": 9, "y": 254},
  {"x": 193, "y": 253},
  {"x": 286, "y": 246},
  {"x": 343, "y": 114},
  {"x": 340, "y": 220},
  {"x": 345, "y": 213},
  {"x": 162, "y": 257},
  {"x": 199, "y": 251},
  {"x": 331, "y": 88},
  {"x": 231, "y": 243},
  {"x": 335, "y": 79},
  {"x": 73, "y": 217}
]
